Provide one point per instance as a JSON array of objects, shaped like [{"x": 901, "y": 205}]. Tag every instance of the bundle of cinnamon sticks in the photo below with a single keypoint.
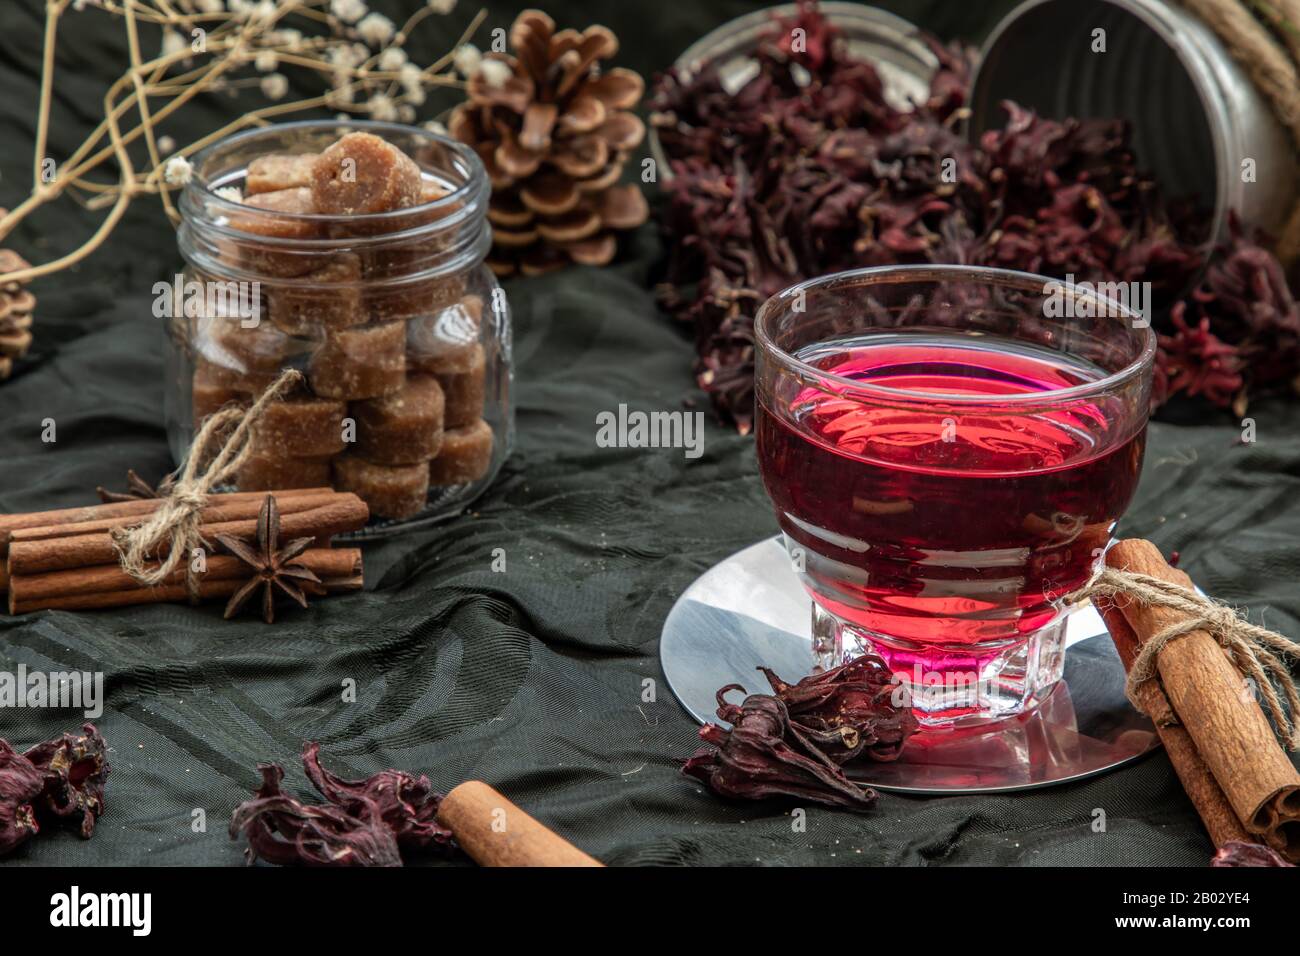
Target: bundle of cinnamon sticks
[
  {"x": 67, "y": 559},
  {"x": 1222, "y": 747}
]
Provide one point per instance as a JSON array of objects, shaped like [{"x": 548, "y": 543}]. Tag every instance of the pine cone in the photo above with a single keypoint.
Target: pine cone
[
  {"x": 16, "y": 305},
  {"x": 554, "y": 133}
]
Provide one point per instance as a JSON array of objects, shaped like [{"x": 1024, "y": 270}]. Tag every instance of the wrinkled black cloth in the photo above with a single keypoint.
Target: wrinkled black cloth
[{"x": 531, "y": 678}]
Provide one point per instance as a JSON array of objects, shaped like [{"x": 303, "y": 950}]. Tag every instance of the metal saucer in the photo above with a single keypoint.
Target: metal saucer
[{"x": 750, "y": 609}]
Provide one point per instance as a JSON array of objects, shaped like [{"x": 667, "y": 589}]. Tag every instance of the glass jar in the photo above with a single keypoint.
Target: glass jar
[{"x": 401, "y": 331}]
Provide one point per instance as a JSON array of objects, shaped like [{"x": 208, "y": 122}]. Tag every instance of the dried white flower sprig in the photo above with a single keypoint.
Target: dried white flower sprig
[{"x": 210, "y": 46}]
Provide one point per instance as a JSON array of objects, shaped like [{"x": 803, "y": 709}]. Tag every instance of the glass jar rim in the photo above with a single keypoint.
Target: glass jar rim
[
  {"x": 922, "y": 272},
  {"x": 469, "y": 194}
]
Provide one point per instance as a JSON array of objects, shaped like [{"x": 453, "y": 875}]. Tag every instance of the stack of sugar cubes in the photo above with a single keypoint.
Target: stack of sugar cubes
[{"x": 395, "y": 368}]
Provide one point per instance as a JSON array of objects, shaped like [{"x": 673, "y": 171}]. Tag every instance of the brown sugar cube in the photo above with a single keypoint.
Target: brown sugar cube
[
  {"x": 207, "y": 295},
  {"x": 238, "y": 380},
  {"x": 210, "y": 394},
  {"x": 382, "y": 260},
  {"x": 363, "y": 173},
  {"x": 268, "y": 248},
  {"x": 398, "y": 221},
  {"x": 246, "y": 358},
  {"x": 387, "y": 265},
  {"x": 278, "y": 171},
  {"x": 272, "y": 472},
  {"x": 362, "y": 362},
  {"x": 411, "y": 299},
  {"x": 332, "y": 300},
  {"x": 465, "y": 456},
  {"x": 445, "y": 342},
  {"x": 431, "y": 191},
  {"x": 294, "y": 203},
  {"x": 464, "y": 390},
  {"x": 402, "y": 428},
  {"x": 391, "y": 491},
  {"x": 303, "y": 426},
  {"x": 239, "y": 344}
]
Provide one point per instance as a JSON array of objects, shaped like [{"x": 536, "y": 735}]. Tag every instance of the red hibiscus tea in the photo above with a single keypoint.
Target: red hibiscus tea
[{"x": 941, "y": 488}]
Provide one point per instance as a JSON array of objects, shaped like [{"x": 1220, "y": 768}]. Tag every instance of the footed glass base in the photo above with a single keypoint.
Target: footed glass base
[
  {"x": 956, "y": 686},
  {"x": 750, "y": 610}
]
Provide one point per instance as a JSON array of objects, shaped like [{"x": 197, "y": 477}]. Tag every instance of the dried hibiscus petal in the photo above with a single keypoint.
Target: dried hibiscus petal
[
  {"x": 764, "y": 755},
  {"x": 407, "y": 804},
  {"x": 20, "y": 784},
  {"x": 1239, "y": 853},
  {"x": 1196, "y": 361},
  {"x": 285, "y": 831},
  {"x": 365, "y": 822},
  {"x": 61, "y": 778},
  {"x": 74, "y": 768},
  {"x": 856, "y": 709}
]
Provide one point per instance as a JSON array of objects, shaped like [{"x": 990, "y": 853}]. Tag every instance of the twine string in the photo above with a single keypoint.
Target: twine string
[
  {"x": 1248, "y": 29},
  {"x": 1255, "y": 651},
  {"x": 178, "y": 519}
]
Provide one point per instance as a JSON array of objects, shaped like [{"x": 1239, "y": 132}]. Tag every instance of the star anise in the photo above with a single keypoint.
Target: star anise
[
  {"x": 272, "y": 565},
  {"x": 137, "y": 489}
]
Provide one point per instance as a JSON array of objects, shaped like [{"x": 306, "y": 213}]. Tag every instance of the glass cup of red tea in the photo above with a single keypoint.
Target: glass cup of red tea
[{"x": 947, "y": 449}]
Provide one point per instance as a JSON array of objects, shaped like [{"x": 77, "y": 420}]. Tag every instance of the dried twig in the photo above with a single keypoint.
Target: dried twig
[{"x": 360, "y": 54}]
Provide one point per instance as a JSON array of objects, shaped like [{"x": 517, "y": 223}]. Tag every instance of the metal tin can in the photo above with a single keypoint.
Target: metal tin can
[{"x": 1199, "y": 124}]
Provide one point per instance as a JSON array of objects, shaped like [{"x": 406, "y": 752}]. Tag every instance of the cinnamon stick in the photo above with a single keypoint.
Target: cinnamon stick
[
  {"x": 1218, "y": 709},
  {"x": 495, "y": 832},
  {"x": 344, "y": 512},
  {"x": 232, "y": 507},
  {"x": 176, "y": 594},
  {"x": 219, "y": 508},
  {"x": 119, "y": 509},
  {"x": 1202, "y": 789},
  {"x": 109, "y": 586}
]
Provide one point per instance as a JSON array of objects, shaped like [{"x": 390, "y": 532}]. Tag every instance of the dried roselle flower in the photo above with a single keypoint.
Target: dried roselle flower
[
  {"x": 1239, "y": 853},
  {"x": 1159, "y": 258},
  {"x": 285, "y": 831},
  {"x": 852, "y": 710},
  {"x": 74, "y": 769},
  {"x": 817, "y": 33},
  {"x": 1246, "y": 298},
  {"x": 1035, "y": 156},
  {"x": 1195, "y": 361},
  {"x": 725, "y": 369},
  {"x": 764, "y": 755},
  {"x": 951, "y": 82},
  {"x": 21, "y": 784},
  {"x": 407, "y": 804}
]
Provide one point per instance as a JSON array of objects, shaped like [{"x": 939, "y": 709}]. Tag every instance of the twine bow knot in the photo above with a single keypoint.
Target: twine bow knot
[
  {"x": 179, "y": 518},
  {"x": 1256, "y": 652}
]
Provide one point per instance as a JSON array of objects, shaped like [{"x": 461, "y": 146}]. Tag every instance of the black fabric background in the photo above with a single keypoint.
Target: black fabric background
[{"x": 532, "y": 678}]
